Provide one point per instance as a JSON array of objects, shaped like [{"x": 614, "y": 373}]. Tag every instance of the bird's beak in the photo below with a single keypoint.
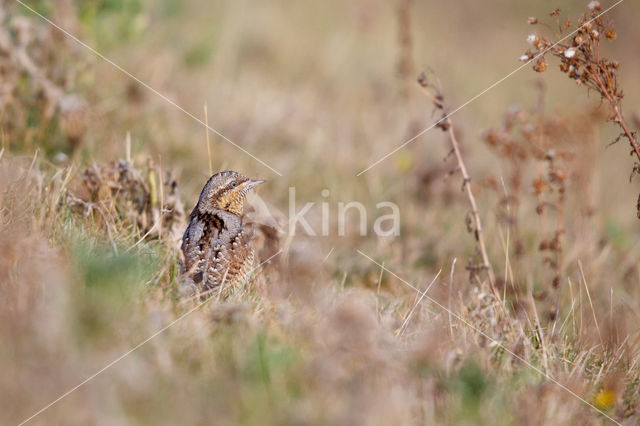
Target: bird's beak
[{"x": 252, "y": 183}]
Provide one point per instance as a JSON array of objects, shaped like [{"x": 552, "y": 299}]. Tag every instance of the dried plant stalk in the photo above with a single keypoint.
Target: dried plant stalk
[
  {"x": 446, "y": 125},
  {"x": 580, "y": 59}
]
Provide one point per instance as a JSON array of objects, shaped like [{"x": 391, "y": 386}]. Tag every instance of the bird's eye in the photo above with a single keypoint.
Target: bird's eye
[{"x": 233, "y": 182}]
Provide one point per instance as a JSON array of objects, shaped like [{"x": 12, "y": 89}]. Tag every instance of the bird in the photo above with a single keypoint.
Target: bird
[{"x": 217, "y": 244}]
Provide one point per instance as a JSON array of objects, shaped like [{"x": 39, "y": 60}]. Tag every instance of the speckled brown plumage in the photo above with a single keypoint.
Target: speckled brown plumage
[{"x": 217, "y": 244}]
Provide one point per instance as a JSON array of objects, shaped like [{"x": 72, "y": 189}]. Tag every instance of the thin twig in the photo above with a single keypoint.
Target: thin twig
[
  {"x": 453, "y": 267},
  {"x": 466, "y": 183},
  {"x": 377, "y": 290},
  {"x": 593, "y": 311},
  {"x": 206, "y": 120},
  {"x": 472, "y": 203},
  {"x": 543, "y": 345},
  {"x": 403, "y": 327}
]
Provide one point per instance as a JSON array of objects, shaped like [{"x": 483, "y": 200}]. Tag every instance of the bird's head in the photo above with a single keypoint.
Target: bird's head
[{"x": 226, "y": 191}]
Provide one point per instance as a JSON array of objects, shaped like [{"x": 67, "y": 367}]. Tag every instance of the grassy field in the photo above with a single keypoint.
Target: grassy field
[{"x": 103, "y": 153}]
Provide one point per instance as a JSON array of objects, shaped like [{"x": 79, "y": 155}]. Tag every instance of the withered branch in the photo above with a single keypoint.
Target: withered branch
[
  {"x": 580, "y": 59},
  {"x": 446, "y": 125}
]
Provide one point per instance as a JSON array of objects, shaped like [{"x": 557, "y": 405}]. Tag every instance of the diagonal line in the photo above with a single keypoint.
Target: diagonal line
[
  {"x": 422, "y": 295},
  {"x": 142, "y": 83},
  {"x": 495, "y": 342},
  {"x": 124, "y": 355},
  {"x": 484, "y": 91},
  {"x": 328, "y": 254}
]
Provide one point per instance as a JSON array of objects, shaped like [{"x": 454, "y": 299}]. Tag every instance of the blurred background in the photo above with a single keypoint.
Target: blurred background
[{"x": 319, "y": 91}]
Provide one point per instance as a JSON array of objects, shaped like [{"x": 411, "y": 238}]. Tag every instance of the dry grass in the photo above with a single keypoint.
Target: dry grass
[{"x": 321, "y": 335}]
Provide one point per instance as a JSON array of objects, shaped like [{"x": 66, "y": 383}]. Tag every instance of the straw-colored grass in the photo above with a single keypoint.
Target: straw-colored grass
[{"x": 97, "y": 174}]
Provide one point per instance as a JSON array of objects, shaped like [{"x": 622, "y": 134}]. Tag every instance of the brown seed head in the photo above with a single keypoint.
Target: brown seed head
[
  {"x": 610, "y": 34},
  {"x": 541, "y": 64}
]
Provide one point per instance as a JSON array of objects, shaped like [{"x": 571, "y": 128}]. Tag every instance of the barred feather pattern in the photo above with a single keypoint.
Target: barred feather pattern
[{"x": 217, "y": 245}]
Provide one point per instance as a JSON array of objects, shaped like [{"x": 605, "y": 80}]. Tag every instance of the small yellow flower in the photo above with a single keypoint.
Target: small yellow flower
[
  {"x": 403, "y": 161},
  {"x": 605, "y": 399}
]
